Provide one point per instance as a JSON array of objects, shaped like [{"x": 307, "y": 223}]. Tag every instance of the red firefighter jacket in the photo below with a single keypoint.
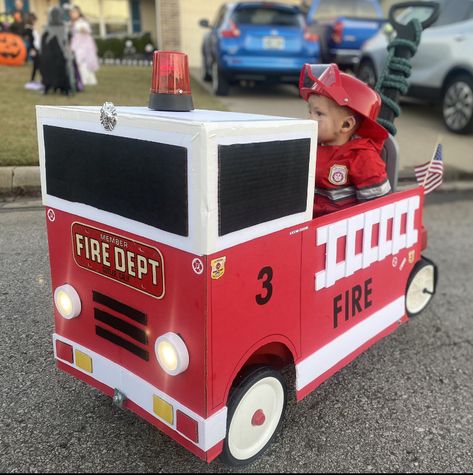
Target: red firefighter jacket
[{"x": 348, "y": 174}]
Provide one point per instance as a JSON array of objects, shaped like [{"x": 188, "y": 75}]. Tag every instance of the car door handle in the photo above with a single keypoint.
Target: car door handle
[{"x": 459, "y": 37}]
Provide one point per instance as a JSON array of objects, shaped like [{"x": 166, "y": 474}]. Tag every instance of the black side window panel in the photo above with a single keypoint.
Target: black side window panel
[{"x": 259, "y": 182}]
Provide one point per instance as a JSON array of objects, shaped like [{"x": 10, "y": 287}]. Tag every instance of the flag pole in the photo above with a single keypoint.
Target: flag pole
[{"x": 439, "y": 141}]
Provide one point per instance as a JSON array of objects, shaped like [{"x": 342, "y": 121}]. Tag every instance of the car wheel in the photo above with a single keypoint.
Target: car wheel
[
  {"x": 367, "y": 73},
  {"x": 220, "y": 85},
  {"x": 255, "y": 411},
  {"x": 420, "y": 286},
  {"x": 204, "y": 72},
  {"x": 457, "y": 104}
]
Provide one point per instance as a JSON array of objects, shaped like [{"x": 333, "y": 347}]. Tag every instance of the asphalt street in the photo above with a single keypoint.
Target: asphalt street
[{"x": 405, "y": 405}]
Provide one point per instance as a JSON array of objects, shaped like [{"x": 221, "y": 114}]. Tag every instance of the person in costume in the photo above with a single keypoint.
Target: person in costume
[
  {"x": 349, "y": 168},
  {"x": 19, "y": 19},
  {"x": 83, "y": 46},
  {"x": 33, "y": 49},
  {"x": 56, "y": 64}
]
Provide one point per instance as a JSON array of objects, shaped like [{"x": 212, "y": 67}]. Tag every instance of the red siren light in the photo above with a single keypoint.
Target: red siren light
[{"x": 170, "y": 82}]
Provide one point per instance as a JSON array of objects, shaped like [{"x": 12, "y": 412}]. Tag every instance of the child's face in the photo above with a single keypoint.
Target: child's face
[
  {"x": 330, "y": 117},
  {"x": 74, "y": 14}
]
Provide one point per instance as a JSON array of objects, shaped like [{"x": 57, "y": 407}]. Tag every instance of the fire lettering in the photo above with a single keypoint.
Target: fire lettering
[
  {"x": 393, "y": 214},
  {"x": 94, "y": 250},
  {"x": 127, "y": 261},
  {"x": 132, "y": 263}
]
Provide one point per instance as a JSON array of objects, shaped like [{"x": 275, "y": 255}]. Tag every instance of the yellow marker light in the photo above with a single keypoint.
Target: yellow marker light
[
  {"x": 171, "y": 353},
  {"x": 67, "y": 301},
  {"x": 163, "y": 409},
  {"x": 83, "y": 361}
]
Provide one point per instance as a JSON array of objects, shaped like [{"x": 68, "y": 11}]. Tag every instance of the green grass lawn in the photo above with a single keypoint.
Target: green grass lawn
[{"x": 122, "y": 85}]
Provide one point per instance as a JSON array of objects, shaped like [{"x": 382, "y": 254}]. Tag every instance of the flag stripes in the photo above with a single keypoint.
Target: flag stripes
[{"x": 430, "y": 174}]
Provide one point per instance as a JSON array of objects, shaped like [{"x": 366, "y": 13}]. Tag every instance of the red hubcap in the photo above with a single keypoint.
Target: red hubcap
[{"x": 258, "y": 418}]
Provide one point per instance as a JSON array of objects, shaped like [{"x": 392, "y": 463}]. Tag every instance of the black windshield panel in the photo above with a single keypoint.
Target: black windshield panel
[{"x": 141, "y": 180}]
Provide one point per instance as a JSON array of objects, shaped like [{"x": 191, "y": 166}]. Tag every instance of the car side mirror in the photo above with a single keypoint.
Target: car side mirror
[{"x": 204, "y": 23}]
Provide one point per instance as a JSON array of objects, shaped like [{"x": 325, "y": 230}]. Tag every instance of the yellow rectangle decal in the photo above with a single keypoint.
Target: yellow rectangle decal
[
  {"x": 83, "y": 361},
  {"x": 163, "y": 409}
]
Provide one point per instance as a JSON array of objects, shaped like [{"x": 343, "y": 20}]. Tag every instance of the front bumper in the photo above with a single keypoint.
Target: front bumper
[{"x": 210, "y": 431}]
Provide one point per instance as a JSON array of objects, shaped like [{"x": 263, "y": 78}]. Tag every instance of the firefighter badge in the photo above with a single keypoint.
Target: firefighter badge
[
  {"x": 338, "y": 174},
  {"x": 218, "y": 267}
]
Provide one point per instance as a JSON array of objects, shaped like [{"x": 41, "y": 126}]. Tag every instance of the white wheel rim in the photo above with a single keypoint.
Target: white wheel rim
[
  {"x": 418, "y": 295},
  {"x": 256, "y": 418}
]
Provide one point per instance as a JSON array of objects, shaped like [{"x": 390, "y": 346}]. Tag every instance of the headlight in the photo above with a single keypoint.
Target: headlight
[
  {"x": 171, "y": 353},
  {"x": 67, "y": 301}
]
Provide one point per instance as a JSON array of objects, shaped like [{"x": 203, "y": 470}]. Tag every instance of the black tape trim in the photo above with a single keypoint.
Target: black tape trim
[
  {"x": 120, "y": 307},
  {"x": 120, "y": 325},
  {"x": 136, "y": 350}
]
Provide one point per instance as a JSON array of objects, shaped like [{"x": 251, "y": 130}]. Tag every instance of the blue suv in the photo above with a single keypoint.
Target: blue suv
[{"x": 256, "y": 41}]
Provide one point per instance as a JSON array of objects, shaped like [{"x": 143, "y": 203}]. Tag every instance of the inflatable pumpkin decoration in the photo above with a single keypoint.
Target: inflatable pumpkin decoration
[{"x": 12, "y": 49}]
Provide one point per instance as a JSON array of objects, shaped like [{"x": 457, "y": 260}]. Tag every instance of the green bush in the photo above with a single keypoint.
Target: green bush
[{"x": 115, "y": 46}]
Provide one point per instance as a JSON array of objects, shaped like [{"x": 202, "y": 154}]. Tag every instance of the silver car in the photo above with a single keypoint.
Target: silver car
[{"x": 442, "y": 68}]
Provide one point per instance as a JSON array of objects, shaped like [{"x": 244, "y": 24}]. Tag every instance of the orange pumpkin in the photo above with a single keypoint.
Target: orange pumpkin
[{"x": 12, "y": 49}]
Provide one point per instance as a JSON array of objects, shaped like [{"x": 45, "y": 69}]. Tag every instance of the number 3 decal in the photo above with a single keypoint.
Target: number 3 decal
[{"x": 267, "y": 273}]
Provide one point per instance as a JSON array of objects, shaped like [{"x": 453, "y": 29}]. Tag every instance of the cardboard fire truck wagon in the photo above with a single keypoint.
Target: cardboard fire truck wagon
[{"x": 187, "y": 270}]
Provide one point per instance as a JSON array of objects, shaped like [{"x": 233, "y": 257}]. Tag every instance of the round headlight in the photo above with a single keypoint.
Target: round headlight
[
  {"x": 171, "y": 353},
  {"x": 67, "y": 301}
]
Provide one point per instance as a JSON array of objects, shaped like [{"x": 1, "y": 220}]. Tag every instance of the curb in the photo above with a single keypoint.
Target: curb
[
  {"x": 27, "y": 180},
  {"x": 20, "y": 180}
]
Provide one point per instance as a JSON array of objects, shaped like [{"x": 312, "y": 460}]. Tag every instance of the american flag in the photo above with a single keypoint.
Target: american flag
[{"x": 430, "y": 174}]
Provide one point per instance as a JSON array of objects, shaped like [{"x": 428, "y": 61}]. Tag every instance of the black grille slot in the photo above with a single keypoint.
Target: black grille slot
[
  {"x": 123, "y": 326},
  {"x": 143, "y": 354},
  {"x": 120, "y": 307},
  {"x": 114, "y": 322}
]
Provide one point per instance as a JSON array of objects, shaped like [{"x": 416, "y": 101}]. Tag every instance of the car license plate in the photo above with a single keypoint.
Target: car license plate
[{"x": 273, "y": 42}]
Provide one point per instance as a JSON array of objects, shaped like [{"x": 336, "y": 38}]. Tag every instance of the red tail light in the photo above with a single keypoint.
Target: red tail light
[
  {"x": 231, "y": 31},
  {"x": 337, "y": 32},
  {"x": 310, "y": 36},
  {"x": 170, "y": 82}
]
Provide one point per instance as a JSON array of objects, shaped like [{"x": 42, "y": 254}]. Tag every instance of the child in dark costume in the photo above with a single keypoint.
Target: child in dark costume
[
  {"x": 56, "y": 58},
  {"x": 33, "y": 50}
]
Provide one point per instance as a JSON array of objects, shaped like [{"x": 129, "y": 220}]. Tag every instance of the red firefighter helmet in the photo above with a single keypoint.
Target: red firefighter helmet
[{"x": 347, "y": 91}]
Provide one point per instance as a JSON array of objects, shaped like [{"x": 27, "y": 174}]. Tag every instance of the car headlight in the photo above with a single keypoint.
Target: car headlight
[
  {"x": 171, "y": 353},
  {"x": 67, "y": 301}
]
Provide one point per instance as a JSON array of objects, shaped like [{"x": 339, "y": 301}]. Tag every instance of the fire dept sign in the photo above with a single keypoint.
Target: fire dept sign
[{"x": 129, "y": 262}]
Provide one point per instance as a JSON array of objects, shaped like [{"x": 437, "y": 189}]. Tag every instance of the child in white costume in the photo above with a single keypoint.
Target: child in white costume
[{"x": 84, "y": 47}]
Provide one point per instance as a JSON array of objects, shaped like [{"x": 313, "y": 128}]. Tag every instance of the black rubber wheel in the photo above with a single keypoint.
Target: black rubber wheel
[
  {"x": 421, "y": 286},
  {"x": 367, "y": 73},
  {"x": 220, "y": 84},
  {"x": 204, "y": 72},
  {"x": 256, "y": 409},
  {"x": 457, "y": 104}
]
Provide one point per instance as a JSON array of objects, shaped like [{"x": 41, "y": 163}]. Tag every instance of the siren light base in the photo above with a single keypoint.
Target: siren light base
[{"x": 170, "y": 102}]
